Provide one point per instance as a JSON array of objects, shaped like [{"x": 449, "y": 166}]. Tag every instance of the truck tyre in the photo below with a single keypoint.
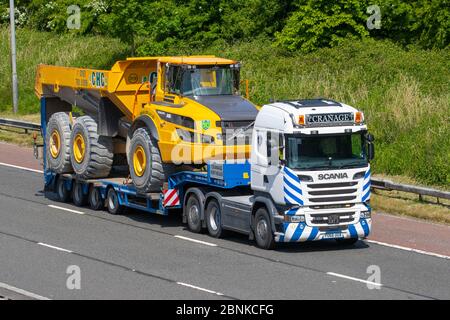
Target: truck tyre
[
  {"x": 213, "y": 216},
  {"x": 112, "y": 202},
  {"x": 92, "y": 155},
  {"x": 57, "y": 141},
  {"x": 79, "y": 198},
  {"x": 263, "y": 230},
  {"x": 193, "y": 214},
  {"x": 347, "y": 242},
  {"x": 61, "y": 190},
  {"x": 95, "y": 199},
  {"x": 144, "y": 159}
]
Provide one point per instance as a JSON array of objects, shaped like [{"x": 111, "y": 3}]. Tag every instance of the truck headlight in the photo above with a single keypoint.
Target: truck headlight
[
  {"x": 295, "y": 219},
  {"x": 365, "y": 214}
]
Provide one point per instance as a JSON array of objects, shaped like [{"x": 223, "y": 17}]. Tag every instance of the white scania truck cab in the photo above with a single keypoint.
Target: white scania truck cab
[{"x": 311, "y": 158}]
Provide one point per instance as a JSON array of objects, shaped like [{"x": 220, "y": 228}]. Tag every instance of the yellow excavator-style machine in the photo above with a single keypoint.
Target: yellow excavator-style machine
[{"x": 157, "y": 114}]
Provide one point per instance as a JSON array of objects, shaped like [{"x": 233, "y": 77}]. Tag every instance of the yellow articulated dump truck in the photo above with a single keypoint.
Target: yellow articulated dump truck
[{"x": 159, "y": 114}]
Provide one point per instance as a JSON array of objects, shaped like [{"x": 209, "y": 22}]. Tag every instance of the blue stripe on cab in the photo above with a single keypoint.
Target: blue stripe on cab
[
  {"x": 367, "y": 185},
  {"x": 292, "y": 175},
  {"x": 295, "y": 188},
  {"x": 293, "y": 197},
  {"x": 313, "y": 234},
  {"x": 297, "y": 233},
  {"x": 367, "y": 174}
]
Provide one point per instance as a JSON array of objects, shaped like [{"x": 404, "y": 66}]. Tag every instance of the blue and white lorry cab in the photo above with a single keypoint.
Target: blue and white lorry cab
[
  {"x": 311, "y": 158},
  {"x": 308, "y": 179}
]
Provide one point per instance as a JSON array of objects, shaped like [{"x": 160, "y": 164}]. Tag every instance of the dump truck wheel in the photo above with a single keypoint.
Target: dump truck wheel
[
  {"x": 92, "y": 155},
  {"x": 144, "y": 160},
  {"x": 58, "y": 143}
]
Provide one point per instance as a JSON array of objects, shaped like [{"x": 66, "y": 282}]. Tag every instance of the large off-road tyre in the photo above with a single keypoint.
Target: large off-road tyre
[
  {"x": 92, "y": 155},
  {"x": 144, "y": 160},
  {"x": 57, "y": 141}
]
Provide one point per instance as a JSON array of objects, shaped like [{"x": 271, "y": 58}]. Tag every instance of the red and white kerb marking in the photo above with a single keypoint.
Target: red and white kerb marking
[{"x": 171, "y": 198}]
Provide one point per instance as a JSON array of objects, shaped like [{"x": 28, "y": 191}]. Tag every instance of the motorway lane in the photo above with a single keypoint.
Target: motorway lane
[{"x": 147, "y": 244}]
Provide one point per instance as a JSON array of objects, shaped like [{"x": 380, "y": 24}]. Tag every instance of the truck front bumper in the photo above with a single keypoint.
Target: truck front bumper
[{"x": 301, "y": 232}]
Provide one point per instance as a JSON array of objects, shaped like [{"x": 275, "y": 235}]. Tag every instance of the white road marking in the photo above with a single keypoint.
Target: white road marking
[
  {"x": 22, "y": 292},
  {"x": 198, "y": 288},
  {"x": 21, "y": 168},
  {"x": 65, "y": 209},
  {"x": 196, "y": 241},
  {"x": 354, "y": 279},
  {"x": 409, "y": 249},
  {"x": 53, "y": 247}
]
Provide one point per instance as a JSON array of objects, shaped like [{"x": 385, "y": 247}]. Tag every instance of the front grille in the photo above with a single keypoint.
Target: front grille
[
  {"x": 327, "y": 192},
  {"x": 332, "y": 185},
  {"x": 324, "y": 218},
  {"x": 230, "y": 128},
  {"x": 333, "y": 199}
]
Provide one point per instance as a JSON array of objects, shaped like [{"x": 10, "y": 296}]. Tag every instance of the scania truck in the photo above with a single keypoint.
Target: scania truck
[{"x": 307, "y": 179}]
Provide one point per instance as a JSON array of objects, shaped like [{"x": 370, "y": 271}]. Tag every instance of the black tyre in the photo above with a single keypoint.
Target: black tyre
[
  {"x": 92, "y": 155},
  {"x": 263, "y": 230},
  {"x": 213, "y": 216},
  {"x": 347, "y": 242},
  {"x": 61, "y": 191},
  {"x": 112, "y": 202},
  {"x": 80, "y": 199},
  {"x": 95, "y": 199},
  {"x": 57, "y": 141},
  {"x": 144, "y": 160},
  {"x": 193, "y": 214}
]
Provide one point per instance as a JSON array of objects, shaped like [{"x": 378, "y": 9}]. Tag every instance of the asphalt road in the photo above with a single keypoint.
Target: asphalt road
[{"x": 143, "y": 256}]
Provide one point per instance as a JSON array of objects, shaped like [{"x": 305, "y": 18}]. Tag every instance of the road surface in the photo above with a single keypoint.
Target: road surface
[{"x": 143, "y": 256}]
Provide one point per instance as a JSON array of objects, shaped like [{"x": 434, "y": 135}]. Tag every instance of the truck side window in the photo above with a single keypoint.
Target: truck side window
[{"x": 269, "y": 145}]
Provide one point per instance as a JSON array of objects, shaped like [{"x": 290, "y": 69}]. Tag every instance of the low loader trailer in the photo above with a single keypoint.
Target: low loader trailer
[{"x": 307, "y": 179}]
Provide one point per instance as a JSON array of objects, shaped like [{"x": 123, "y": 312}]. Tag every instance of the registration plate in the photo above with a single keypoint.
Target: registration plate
[{"x": 334, "y": 235}]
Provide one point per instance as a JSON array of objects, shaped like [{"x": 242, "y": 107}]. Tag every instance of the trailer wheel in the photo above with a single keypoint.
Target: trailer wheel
[
  {"x": 144, "y": 160},
  {"x": 92, "y": 155},
  {"x": 193, "y": 209},
  {"x": 213, "y": 218},
  {"x": 263, "y": 230},
  {"x": 112, "y": 202},
  {"x": 61, "y": 191},
  {"x": 95, "y": 199},
  {"x": 79, "y": 198},
  {"x": 57, "y": 141}
]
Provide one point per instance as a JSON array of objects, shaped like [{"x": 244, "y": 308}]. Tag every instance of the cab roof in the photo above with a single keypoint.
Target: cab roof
[{"x": 190, "y": 60}]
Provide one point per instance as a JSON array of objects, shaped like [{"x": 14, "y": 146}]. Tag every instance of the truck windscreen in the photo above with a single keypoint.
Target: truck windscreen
[
  {"x": 320, "y": 152},
  {"x": 206, "y": 81}
]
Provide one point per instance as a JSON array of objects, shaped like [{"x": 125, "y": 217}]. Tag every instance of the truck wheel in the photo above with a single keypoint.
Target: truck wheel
[
  {"x": 145, "y": 162},
  {"x": 79, "y": 198},
  {"x": 213, "y": 218},
  {"x": 112, "y": 202},
  {"x": 263, "y": 230},
  {"x": 61, "y": 190},
  {"x": 92, "y": 155},
  {"x": 57, "y": 141},
  {"x": 95, "y": 199},
  {"x": 347, "y": 242},
  {"x": 193, "y": 209}
]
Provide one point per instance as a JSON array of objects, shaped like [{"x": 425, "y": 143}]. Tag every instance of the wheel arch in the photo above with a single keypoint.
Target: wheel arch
[{"x": 263, "y": 202}]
